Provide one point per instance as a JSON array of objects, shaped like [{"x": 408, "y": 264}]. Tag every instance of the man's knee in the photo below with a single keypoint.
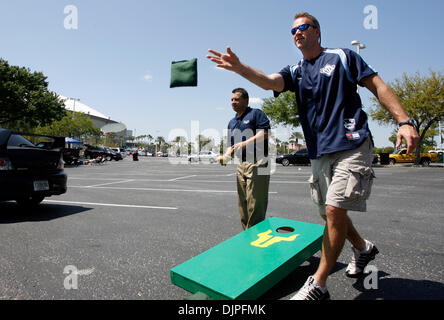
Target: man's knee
[{"x": 335, "y": 215}]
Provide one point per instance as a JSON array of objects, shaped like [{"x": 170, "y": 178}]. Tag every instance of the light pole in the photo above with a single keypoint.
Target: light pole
[
  {"x": 74, "y": 106},
  {"x": 440, "y": 135},
  {"x": 359, "y": 46}
]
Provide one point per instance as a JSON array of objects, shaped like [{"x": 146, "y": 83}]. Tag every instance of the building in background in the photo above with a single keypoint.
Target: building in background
[{"x": 99, "y": 119}]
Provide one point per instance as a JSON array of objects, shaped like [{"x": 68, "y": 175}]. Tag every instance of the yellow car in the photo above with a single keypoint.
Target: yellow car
[{"x": 401, "y": 156}]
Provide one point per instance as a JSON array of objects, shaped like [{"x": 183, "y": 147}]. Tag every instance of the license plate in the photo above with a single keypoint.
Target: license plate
[{"x": 41, "y": 185}]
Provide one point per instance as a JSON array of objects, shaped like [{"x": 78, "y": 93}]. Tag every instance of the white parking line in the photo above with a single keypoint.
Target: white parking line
[
  {"x": 167, "y": 190},
  {"x": 180, "y": 178},
  {"x": 177, "y": 179},
  {"x": 105, "y": 184},
  {"x": 110, "y": 205}
]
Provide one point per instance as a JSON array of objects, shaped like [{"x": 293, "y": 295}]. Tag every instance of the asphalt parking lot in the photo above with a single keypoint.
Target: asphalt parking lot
[{"x": 124, "y": 225}]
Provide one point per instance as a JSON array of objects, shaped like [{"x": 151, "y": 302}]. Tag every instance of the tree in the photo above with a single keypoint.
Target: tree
[
  {"x": 282, "y": 110},
  {"x": 74, "y": 124},
  {"x": 25, "y": 101},
  {"x": 296, "y": 137},
  {"x": 159, "y": 142},
  {"x": 180, "y": 145},
  {"x": 421, "y": 97},
  {"x": 203, "y": 142}
]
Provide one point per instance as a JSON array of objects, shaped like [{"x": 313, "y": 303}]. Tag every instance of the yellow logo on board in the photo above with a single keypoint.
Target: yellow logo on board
[{"x": 265, "y": 239}]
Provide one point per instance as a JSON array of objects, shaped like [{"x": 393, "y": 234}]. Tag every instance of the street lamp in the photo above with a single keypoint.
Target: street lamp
[{"x": 358, "y": 45}]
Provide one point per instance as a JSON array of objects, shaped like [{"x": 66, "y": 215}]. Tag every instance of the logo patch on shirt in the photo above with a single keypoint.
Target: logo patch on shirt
[
  {"x": 350, "y": 124},
  {"x": 328, "y": 69},
  {"x": 353, "y": 136},
  {"x": 246, "y": 121}
]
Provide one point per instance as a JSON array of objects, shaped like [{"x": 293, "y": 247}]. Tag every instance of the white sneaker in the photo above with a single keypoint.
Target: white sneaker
[
  {"x": 360, "y": 260},
  {"x": 311, "y": 291}
]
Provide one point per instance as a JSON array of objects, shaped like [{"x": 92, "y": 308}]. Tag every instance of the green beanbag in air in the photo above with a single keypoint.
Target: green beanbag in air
[{"x": 184, "y": 73}]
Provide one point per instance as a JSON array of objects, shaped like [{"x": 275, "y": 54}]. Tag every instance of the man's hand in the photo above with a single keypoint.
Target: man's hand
[
  {"x": 227, "y": 61},
  {"x": 410, "y": 135},
  {"x": 231, "y": 62},
  {"x": 240, "y": 146}
]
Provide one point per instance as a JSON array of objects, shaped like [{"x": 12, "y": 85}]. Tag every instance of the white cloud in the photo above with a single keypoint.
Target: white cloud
[
  {"x": 148, "y": 77},
  {"x": 256, "y": 101}
]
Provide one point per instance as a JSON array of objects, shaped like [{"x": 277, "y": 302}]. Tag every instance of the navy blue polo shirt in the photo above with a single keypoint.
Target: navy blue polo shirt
[
  {"x": 330, "y": 109},
  {"x": 244, "y": 127}
]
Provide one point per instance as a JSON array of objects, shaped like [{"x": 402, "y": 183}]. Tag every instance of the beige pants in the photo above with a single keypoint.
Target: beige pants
[{"x": 252, "y": 189}]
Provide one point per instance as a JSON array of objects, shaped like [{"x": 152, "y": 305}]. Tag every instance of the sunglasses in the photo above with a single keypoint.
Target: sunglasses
[{"x": 302, "y": 27}]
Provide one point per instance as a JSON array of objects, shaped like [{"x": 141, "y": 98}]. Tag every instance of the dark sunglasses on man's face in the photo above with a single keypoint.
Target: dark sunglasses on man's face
[{"x": 302, "y": 27}]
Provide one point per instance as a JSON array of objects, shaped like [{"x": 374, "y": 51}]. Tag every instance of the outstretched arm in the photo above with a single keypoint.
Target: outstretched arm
[
  {"x": 388, "y": 99},
  {"x": 231, "y": 62}
]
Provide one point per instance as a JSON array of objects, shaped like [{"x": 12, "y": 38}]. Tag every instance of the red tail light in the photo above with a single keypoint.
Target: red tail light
[{"x": 5, "y": 164}]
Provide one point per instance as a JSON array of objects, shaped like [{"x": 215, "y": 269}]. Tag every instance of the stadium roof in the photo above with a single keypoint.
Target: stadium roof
[{"x": 77, "y": 106}]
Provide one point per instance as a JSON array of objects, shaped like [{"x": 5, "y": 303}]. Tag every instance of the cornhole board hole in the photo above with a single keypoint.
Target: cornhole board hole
[{"x": 249, "y": 264}]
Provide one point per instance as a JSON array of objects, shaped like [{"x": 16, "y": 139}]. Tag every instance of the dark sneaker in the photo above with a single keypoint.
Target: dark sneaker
[
  {"x": 360, "y": 260},
  {"x": 311, "y": 291}
]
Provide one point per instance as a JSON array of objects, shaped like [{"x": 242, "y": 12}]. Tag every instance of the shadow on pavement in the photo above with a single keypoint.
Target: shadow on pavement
[
  {"x": 387, "y": 288},
  {"x": 295, "y": 280},
  {"x": 10, "y": 212},
  {"x": 400, "y": 289}
]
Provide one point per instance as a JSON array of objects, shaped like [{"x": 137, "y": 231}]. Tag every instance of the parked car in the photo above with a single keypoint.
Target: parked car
[
  {"x": 71, "y": 153},
  {"x": 31, "y": 171},
  {"x": 401, "y": 156},
  {"x": 118, "y": 150},
  {"x": 296, "y": 157},
  {"x": 209, "y": 156},
  {"x": 93, "y": 152},
  {"x": 161, "y": 154},
  {"x": 112, "y": 155}
]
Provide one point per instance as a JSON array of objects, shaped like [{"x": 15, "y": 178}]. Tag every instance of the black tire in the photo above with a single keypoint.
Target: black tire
[
  {"x": 392, "y": 161},
  {"x": 285, "y": 162},
  {"x": 425, "y": 162},
  {"x": 30, "y": 201}
]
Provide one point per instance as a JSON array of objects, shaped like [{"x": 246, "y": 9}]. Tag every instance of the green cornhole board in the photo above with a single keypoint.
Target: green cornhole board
[{"x": 249, "y": 264}]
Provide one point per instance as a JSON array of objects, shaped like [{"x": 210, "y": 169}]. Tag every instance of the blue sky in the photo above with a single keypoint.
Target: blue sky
[{"x": 118, "y": 61}]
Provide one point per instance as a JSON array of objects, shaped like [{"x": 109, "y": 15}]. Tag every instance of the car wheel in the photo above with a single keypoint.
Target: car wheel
[
  {"x": 108, "y": 158},
  {"x": 285, "y": 162},
  {"x": 29, "y": 201},
  {"x": 392, "y": 161},
  {"x": 425, "y": 162}
]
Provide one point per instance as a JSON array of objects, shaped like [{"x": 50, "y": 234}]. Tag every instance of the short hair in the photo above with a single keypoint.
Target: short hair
[
  {"x": 243, "y": 92},
  {"x": 312, "y": 18}
]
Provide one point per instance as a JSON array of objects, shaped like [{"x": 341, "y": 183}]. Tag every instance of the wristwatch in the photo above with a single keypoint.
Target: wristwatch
[{"x": 410, "y": 122}]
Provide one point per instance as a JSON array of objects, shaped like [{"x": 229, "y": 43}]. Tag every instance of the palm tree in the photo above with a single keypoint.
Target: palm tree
[
  {"x": 159, "y": 140},
  {"x": 294, "y": 138}
]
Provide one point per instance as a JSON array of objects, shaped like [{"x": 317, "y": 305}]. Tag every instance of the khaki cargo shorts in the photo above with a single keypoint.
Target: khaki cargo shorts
[{"x": 343, "y": 179}]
